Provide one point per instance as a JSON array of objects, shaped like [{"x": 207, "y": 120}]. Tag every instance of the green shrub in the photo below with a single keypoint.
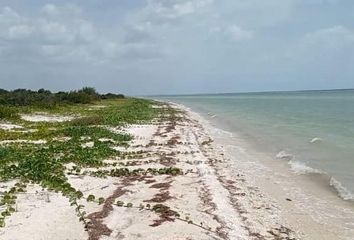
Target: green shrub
[
  {"x": 46, "y": 99},
  {"x": 7, "y": 113},
  {"x": 112, "y": 96}
]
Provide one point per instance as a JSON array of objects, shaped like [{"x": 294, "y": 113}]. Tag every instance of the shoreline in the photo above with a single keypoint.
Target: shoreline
[
  {"x": 288, "y": 159},
  {"x": 183, "y": 183},
  {"x": 269, "y": 176}
]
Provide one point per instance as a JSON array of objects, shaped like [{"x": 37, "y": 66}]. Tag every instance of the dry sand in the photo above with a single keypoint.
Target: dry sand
[
  {"x": 9, "y": 126},
  {"x": 42, "y": 117}
]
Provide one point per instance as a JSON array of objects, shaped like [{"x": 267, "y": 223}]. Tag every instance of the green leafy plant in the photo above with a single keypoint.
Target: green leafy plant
[
  {"x": 101, "y": 200},
  {"x": 120, "y": 203},
  {"x": 90, "y": 198}
]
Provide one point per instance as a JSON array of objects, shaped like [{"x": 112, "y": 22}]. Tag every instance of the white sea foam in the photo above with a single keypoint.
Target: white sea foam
[
  {"x": 302, "y": 168},
  {"x": 341, "y": 190},
  {"x": 315, "y": 140},
  {"x": 220, "y": 133},
  {"x": 283, "y": 155}
]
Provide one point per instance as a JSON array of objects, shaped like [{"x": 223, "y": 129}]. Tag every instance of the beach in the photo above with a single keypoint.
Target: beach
[
  {"x": 204, "y": 187},
  {"x": 177, "y": 120}
]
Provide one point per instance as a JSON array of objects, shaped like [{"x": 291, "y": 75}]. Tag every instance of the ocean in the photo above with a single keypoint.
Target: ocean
[{"x": 311, "y": 131}]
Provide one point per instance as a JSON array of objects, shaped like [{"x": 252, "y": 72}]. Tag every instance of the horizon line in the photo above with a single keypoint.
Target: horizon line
[{"x": 248, "y": 92}]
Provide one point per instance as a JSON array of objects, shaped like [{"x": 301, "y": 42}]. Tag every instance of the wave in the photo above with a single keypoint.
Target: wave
[
  {"x": 302, "y": 168},
  {"x": 283, "y": 155},
  {"x": 316, "y": 140},
  {"x": 218, "y": 132},
  {"x": 342, "y": 191}
]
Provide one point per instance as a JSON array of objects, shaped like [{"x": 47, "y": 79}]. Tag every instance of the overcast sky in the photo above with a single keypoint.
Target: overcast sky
[{"x": 177, "y": 46}]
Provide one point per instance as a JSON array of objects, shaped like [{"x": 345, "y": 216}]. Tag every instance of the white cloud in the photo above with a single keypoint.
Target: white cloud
[
  {"x": 239, "y": 34},
  {"x": 182, "y": 9},
  {"x": 46, "y": 38},
  {"x": 54, "y": 11},
  {"x": 20, "y": 31},
  {"x": 9, "y": 16},
  {"x": 55, "y": 32},
  {"x": 332, "y": 46},
  {"x": 162, "y": 11},
  {"x": 257, "y": 13},
  {"x": 86, "y": 31},
  {"x": 232, "y": 32},
  {"x": 51, "y": 10}
]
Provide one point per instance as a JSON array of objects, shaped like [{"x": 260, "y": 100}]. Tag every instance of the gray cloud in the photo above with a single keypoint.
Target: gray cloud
[
  {"x": 62, "y": 33},
  {"x": 172, "y": 46}
]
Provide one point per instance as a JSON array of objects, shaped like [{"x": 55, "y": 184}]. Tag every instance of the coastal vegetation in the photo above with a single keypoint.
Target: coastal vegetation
[
  {"x": 39, "y": 152},
  {"x": 48, "y": 139},
  {"x": 11, "y": 101},
  {"x": 45, "y": 98}
]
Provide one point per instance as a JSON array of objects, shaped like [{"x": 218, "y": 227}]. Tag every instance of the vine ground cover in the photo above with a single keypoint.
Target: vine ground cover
[{"x": 46, "y": 164}]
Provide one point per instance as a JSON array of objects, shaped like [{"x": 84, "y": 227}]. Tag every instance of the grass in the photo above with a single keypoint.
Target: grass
[{"x": 45, "y": 164}]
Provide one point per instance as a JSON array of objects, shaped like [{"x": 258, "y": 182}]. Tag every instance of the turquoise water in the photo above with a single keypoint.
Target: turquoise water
[{"x": 314, "y": 128}]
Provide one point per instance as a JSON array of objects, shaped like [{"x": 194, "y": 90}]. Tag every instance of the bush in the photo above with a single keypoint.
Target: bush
[
  {"x": 112, "y": 96},
  {"x": 7, "y": 113},
  {"x": 47, "y": 99},
  {"x": 2, "y": 91}
]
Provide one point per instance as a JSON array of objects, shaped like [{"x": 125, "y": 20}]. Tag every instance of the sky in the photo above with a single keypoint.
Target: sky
[{"x": 142, "y": 47}]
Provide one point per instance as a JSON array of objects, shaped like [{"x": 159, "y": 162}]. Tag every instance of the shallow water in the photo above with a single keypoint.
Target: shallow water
[{"x": 312, "y": 131}]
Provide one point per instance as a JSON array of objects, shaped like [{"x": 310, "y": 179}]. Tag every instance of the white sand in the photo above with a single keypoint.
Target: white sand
[
  {"x": 42, "y": 215},
  {"x": 16, "y": 128},
  {"x": 61, "y": 139},
  {"x": 88, "y": 145},
  {"x": 96, "y": 107},
  {"x": 46, "y": 118},
  {"x": 23, "y": 141},
  {"x": 9, "y": 126}
]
